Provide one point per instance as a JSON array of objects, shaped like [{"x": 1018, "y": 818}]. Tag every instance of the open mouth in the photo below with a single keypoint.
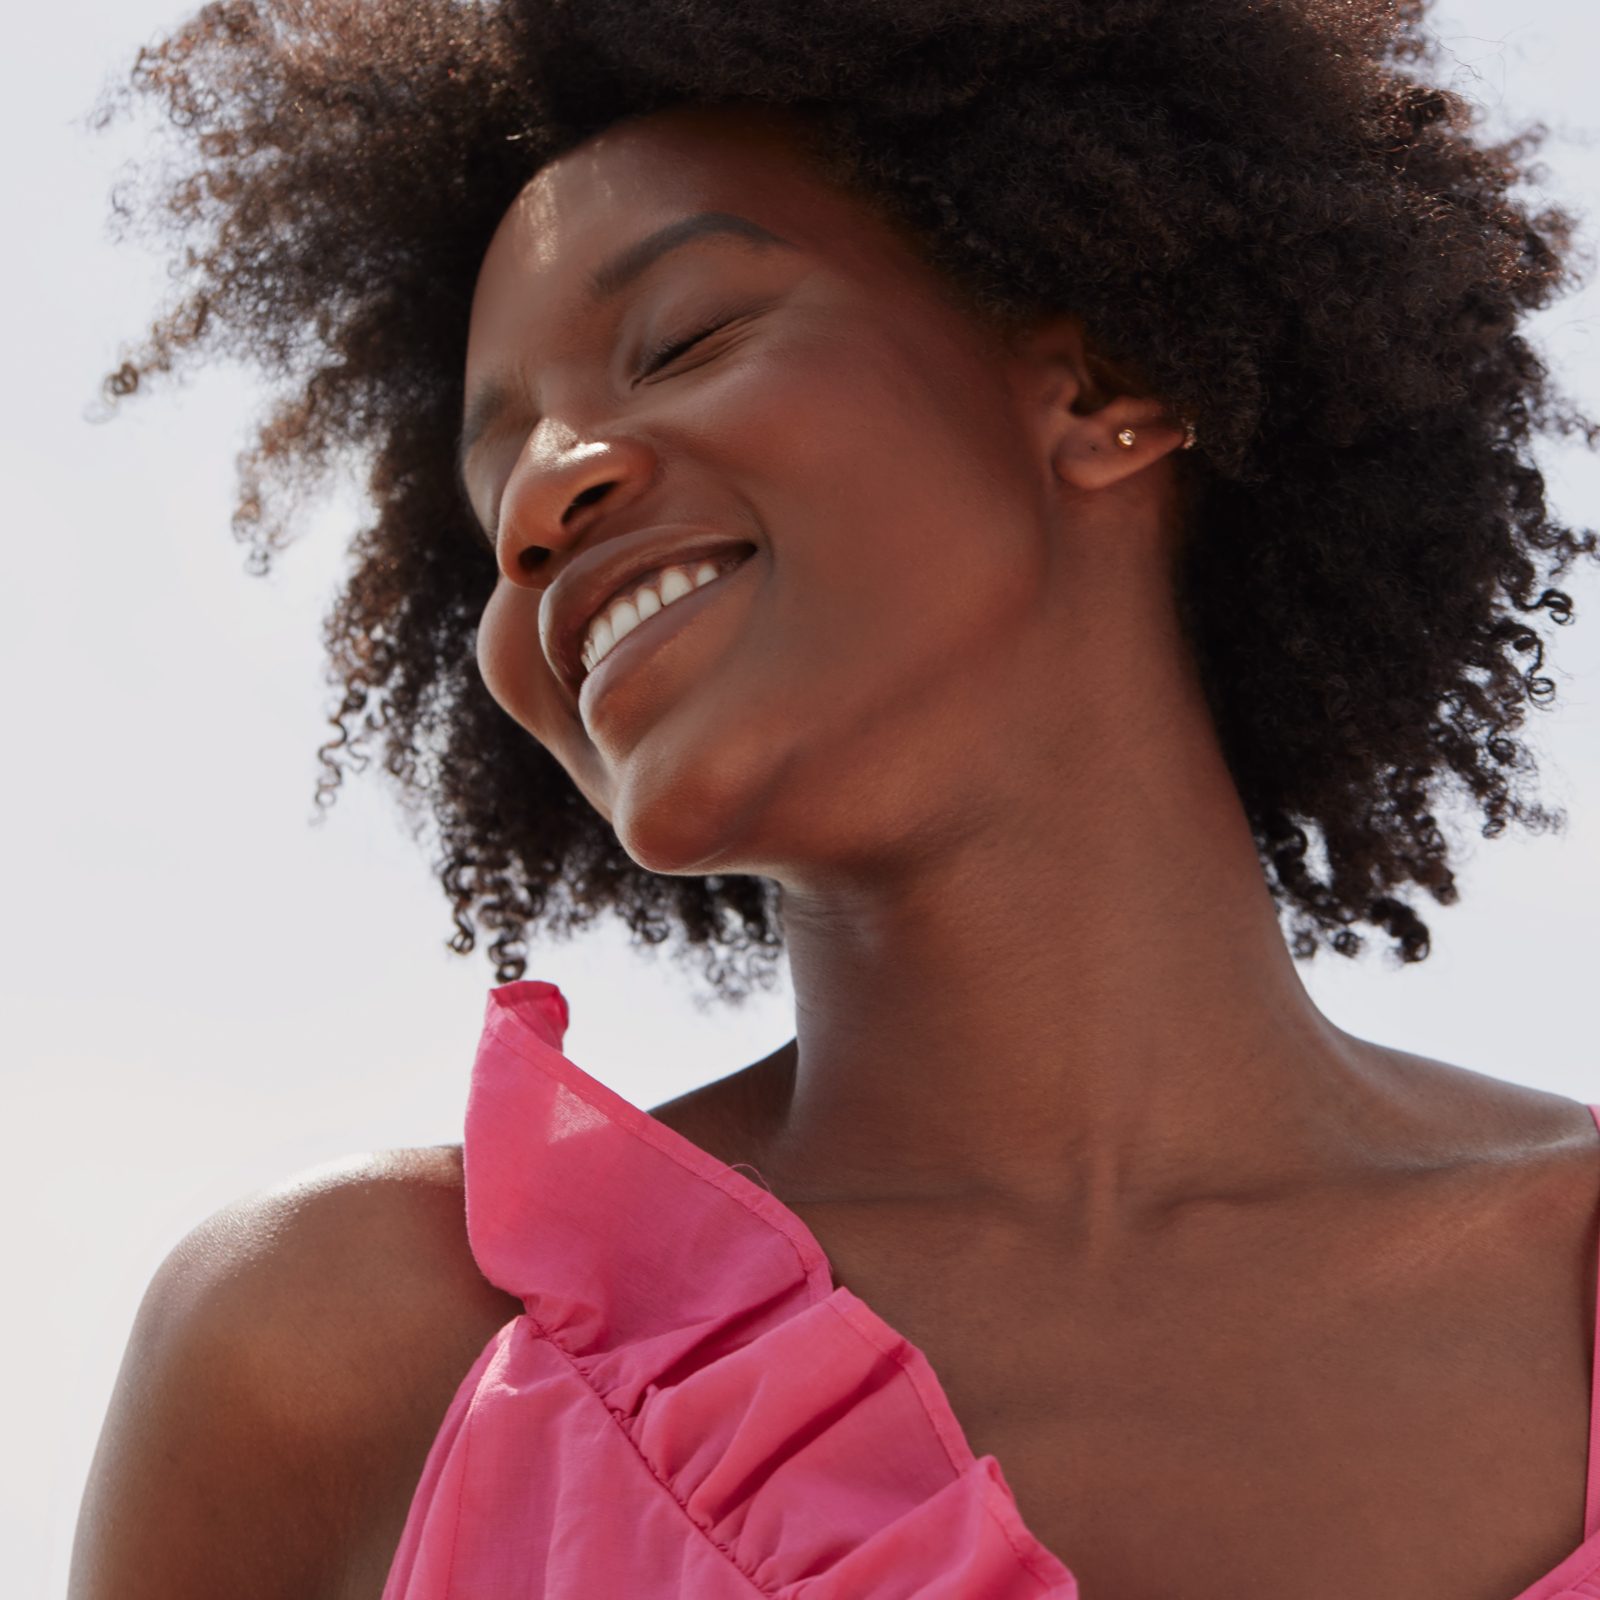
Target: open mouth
[{"x": 650, "y": 611}]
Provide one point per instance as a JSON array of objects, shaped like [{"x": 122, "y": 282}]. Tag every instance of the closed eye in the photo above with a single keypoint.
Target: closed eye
[{"x": 662, "y": 354}]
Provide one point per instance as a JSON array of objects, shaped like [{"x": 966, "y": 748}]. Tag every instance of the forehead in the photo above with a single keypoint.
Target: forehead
[
  {"x": 643, "y": 174},
  {"x": 650, "y": 168}
]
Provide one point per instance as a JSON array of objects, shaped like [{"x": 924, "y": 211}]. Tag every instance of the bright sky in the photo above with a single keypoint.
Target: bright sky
[{"x": 201, "y": 994}]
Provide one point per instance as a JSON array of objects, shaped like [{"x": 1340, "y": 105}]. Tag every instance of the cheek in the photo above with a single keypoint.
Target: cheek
[
  {"x": 496, "y": 655},
  {"x": 870, "y": 428},
  {"x": 896, "y": 477},
  {"x": 519, "y": 679},
  {"x": 906, "y": 553},
  {"x": 513, "y": 666}
]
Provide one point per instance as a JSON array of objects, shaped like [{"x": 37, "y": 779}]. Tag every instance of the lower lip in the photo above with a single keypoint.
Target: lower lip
[{"x": 654, "y": 631}]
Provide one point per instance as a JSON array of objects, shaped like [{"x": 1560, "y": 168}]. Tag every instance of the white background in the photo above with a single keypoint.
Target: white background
[{"x": 202, "y": 994}]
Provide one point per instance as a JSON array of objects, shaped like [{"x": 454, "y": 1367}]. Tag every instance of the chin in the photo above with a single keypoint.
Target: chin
[
  {"x": 685, "y": 823},
  {"x": 675, "y": 840}
]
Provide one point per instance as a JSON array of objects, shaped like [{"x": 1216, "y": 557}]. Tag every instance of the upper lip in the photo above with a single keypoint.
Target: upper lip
[{"x": 594, "y": 578}]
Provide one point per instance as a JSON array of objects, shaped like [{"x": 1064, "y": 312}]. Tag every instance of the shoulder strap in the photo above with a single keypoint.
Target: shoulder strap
[{"x": 1591, "y": 1498}]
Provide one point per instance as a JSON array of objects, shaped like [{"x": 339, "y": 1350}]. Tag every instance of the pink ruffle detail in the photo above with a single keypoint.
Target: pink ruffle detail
[{"x": 689, "y": 1406}]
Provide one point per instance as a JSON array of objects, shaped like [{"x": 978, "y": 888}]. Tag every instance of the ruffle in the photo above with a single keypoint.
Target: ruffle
[{"x": 804, "y": 1438}]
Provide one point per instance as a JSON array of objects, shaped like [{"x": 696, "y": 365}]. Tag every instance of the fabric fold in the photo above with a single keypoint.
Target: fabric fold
[{"x": 688, "y": 1407}]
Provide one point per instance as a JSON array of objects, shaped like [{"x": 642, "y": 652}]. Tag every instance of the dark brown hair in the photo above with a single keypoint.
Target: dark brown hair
[{"x": 1262, "y": 207}]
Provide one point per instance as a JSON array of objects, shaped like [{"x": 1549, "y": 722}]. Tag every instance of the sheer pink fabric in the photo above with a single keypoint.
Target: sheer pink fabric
[{"x": 689, "y": 1409}]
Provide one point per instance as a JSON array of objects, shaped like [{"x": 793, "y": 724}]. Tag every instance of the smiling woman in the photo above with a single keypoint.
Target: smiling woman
[{"x": 1027, "y": 510}]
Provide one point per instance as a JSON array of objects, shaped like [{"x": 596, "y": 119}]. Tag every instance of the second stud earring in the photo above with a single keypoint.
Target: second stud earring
[{"x": 1127, "y": 438}]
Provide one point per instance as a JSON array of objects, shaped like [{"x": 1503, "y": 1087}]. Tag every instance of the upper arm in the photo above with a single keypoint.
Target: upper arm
[{"x": 283, "y": 1379}]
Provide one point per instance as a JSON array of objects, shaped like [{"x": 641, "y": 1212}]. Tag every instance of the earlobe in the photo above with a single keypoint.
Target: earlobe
[{"x": 1098, "y": 448}]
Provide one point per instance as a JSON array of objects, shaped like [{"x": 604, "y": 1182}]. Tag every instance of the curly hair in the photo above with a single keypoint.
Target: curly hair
[{"x": 1260, "y": 207}]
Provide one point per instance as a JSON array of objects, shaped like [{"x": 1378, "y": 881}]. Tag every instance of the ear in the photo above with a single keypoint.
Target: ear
[{"x": 1094, "y": 426}]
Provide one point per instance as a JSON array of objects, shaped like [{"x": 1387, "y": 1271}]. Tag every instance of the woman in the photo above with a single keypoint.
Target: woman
[{"x": 1069, "y": 468}]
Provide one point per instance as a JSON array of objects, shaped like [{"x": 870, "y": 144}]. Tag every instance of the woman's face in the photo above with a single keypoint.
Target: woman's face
[{"x": 896, "y": 626}]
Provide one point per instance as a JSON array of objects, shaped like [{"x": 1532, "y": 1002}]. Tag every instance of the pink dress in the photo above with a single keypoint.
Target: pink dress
[{"x": 689, "y": 1409}]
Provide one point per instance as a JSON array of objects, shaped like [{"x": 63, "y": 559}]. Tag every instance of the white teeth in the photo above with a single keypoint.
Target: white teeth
[
  {"x": 621, "y": 617},
  {"x": 624, "y": 618},
  {"x": 601, "y": 636}
]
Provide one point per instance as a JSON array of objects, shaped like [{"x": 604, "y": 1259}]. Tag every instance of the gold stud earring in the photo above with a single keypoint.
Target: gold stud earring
[{"x": 1127, "y": 438}]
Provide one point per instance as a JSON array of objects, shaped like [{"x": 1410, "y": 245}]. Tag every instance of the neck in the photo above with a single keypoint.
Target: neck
[{"x": 1080, "y": 1005}]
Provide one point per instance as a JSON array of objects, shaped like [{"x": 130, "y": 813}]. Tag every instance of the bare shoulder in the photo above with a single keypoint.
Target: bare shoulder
[
  {"x": 374, "y": 1236},
  {"x": 353, "y": 1280},
  {"x": 1477, "y": 1115},
  {"x": 1494, "y": 1202},
  {"x": 286, "y": 1373}
]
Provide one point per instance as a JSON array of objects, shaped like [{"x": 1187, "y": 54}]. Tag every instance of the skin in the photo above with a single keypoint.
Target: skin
[{"x": 1058, "y": 1106}]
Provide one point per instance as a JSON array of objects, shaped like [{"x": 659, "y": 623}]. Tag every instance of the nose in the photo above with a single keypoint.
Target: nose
[{"x": 560, "y": 485}]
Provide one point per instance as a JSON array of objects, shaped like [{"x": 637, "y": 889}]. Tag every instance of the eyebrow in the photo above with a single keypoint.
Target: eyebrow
[{"x": 608, "y": 280}]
